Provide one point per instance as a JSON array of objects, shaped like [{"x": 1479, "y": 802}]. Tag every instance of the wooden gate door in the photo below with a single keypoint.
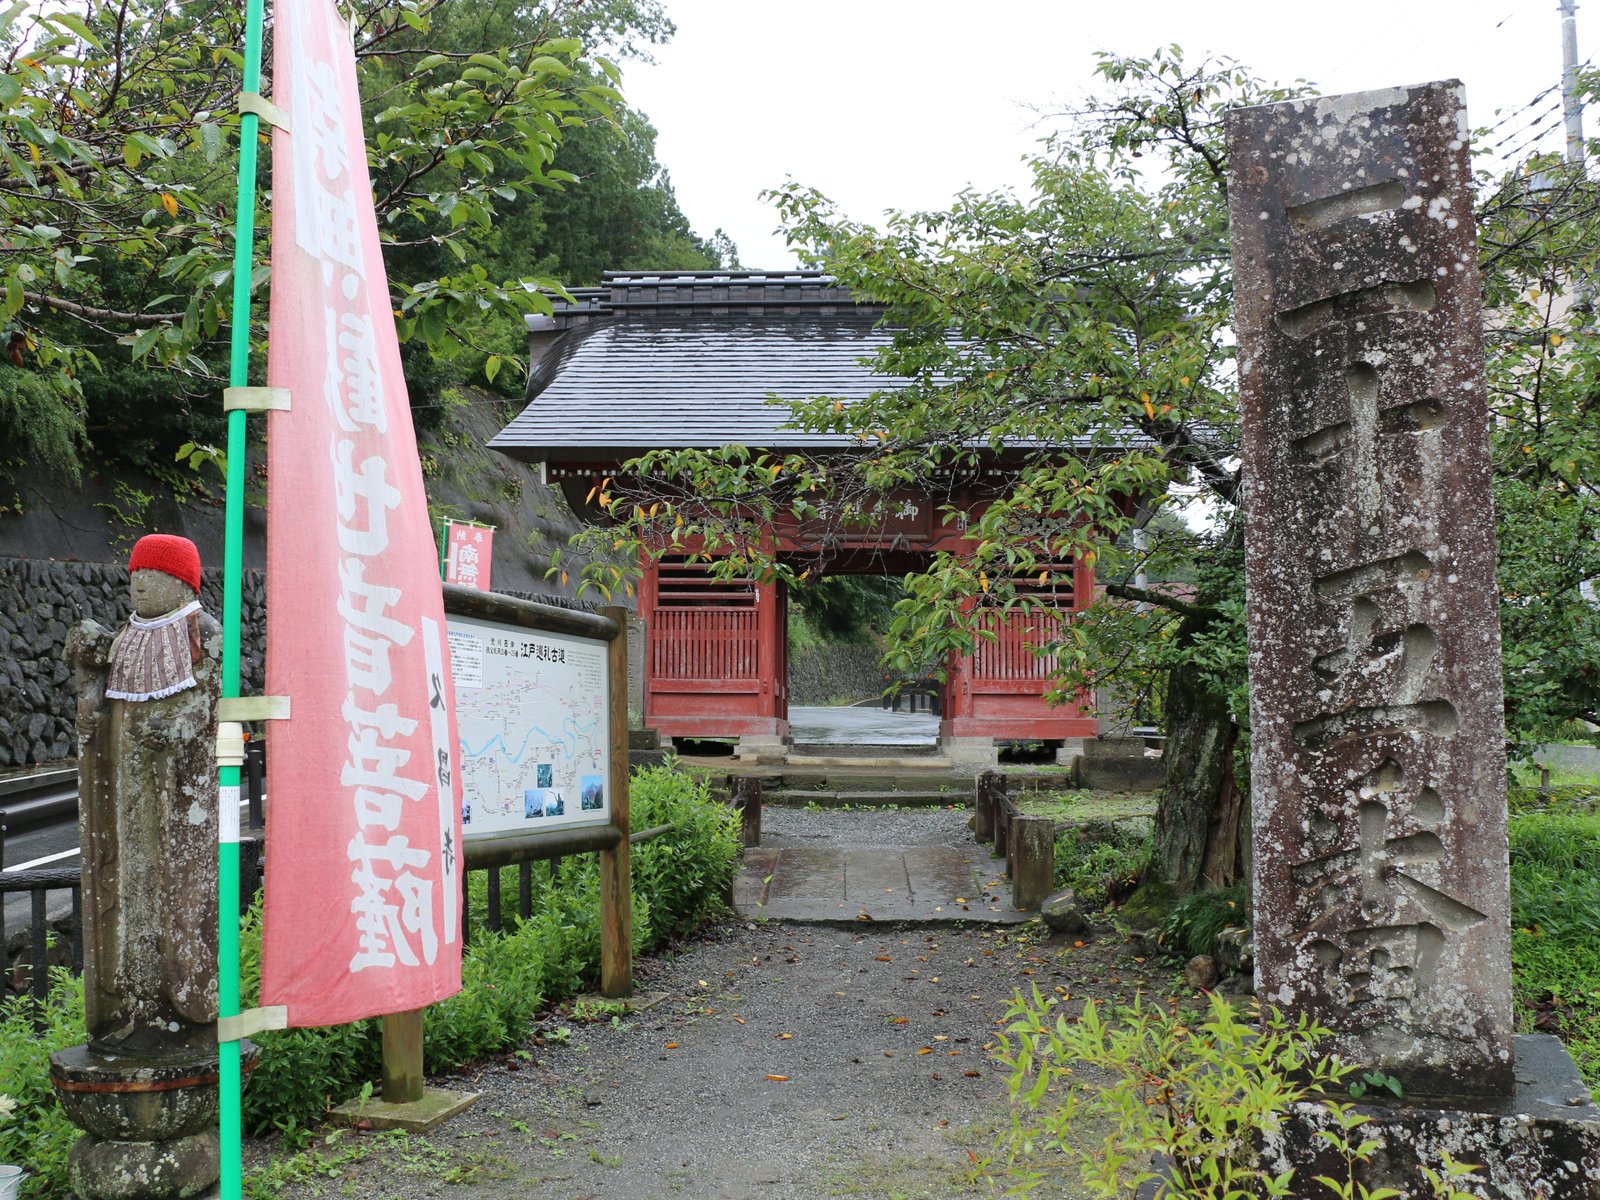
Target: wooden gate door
[
  {"x": 999, "y": 690},
  {"x": 718, "y": 655}
]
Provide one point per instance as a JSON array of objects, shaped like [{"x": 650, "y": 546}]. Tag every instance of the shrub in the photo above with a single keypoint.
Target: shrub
[
  {"x": 1102, "y": 870},
  {"x": 1186, "y": 1099},
  {"x": 679, "y": 880},
  {"x": 686, "y": 874},
  {"x": 1196, "y": 920},
  {"x": 37, "y": 1135}
]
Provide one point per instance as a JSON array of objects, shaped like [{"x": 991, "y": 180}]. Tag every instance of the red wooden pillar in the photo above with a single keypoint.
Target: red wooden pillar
[
  {"x": 648, "y": 592},
  {"x": 772, "y": 640}
]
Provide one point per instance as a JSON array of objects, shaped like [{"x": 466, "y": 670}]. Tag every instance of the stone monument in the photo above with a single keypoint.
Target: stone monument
[
  {"x": 1378, "y": 769},
  {"x": 144, "y": 1087}
]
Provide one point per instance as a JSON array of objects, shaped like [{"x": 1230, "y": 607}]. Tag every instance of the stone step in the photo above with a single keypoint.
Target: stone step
[
  {"x": 843, "y": 798},
  {"x": 867, "y": 750},
  {"x": 926, "y": 764}
]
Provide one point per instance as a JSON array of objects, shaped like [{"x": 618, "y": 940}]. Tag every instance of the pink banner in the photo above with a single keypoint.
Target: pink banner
[
  {"x": 364, "y": 830},
  {"x": 468, "y": 551}
]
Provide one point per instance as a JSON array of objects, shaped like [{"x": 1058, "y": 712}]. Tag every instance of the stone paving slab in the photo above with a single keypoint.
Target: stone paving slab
[{"x": 875, "y": 884}]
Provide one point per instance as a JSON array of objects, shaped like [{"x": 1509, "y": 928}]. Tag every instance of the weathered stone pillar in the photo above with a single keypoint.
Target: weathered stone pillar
[
  {"x": 1377, "y": 762},
  {"x": 144, "y": 1088},
  {"x": 1378, "y": 774}
]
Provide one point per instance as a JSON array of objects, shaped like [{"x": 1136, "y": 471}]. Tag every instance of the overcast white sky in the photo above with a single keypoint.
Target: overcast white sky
[{"x": 901, "y": 103}]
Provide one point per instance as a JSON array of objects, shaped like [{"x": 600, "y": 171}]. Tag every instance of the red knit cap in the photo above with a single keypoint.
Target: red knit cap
[{"x": 175, "y": 556}]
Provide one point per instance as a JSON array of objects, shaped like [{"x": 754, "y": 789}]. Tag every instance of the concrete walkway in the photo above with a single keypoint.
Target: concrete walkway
[
  {"x": 861, "y": 725},
  {"x": 839, "y": 867}
]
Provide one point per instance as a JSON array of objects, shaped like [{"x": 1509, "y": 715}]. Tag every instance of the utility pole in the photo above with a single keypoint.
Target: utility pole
[{"x": 1570, "y": 104}]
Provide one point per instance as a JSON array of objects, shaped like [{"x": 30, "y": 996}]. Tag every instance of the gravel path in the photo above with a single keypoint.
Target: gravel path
[{"x": 801, "y": 1061}]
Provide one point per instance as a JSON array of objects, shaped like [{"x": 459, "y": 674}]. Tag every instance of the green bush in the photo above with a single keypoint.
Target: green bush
[
  {"x": 679, "y": 880},
  {"x": 1101, "y": 870},
  {"x": 1178, "y": 1102},
  {"x": 688, "y": 873},
  {"x": 1195, "y": 922},
  {"x": 38, "y": 1135}
]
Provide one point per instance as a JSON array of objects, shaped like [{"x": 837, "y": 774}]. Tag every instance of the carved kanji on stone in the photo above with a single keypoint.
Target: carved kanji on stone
[{"x": 1378, "y": 765}]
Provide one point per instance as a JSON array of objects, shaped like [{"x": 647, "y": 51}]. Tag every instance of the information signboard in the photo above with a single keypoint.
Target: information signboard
[{"x": 531, "y": 710}]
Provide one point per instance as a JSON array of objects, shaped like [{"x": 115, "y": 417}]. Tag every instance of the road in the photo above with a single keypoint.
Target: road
[{"x": 53, "y": 846}]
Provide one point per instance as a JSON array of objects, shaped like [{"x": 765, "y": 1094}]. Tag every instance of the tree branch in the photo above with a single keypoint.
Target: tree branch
[
  {"x": 1199, "y": 612},
  {"x": 90, "y": 313}
]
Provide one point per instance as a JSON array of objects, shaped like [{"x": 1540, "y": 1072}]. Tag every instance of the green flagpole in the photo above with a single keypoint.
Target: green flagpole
[{"x": 229, "y": 1081}]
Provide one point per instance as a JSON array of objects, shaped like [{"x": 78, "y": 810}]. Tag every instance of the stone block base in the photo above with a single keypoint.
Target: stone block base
[
  {"x": 1542, "y": 1143},
  {"x": 762, "y": 747},
  {"x": 1070, "y": 749},
  {"x": 1120, "y": 774},
  {"x": 171, "y": 1170},
  {"x": 970, "y": 751},
  {"x": 418, "y": 1116},
  {"x": 640, "y": 759}
]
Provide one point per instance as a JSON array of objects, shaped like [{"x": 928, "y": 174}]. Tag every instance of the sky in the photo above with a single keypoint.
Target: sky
[{"x": 900, "y": 104}]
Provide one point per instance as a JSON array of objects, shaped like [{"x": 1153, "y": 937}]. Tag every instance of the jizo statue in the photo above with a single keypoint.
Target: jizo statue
[{"x": 147, "y": 715}]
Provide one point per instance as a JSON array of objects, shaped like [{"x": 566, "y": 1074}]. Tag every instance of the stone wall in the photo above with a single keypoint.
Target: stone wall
[
  {"x": 829, "y": 673},
  {"x": 40, "y": 600}
]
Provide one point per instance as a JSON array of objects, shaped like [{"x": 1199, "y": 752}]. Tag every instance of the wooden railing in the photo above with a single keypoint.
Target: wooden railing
[
  {"x": 1026, "y": 842},
  {"x": 704, "y": 643},
  {"x": 1012, "y": 655}
]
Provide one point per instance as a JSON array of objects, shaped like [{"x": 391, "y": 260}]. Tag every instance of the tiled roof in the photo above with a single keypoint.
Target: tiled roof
[{"x": 691, "y": 359}]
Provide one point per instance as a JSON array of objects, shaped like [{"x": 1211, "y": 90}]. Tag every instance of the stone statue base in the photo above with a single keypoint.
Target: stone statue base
[
  {"x": 1542, "y": 1142},
  {"x": 150, "y": 1122}
]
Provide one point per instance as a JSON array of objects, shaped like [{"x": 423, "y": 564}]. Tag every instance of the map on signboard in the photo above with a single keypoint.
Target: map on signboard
[{"x": 531, "y": 714}]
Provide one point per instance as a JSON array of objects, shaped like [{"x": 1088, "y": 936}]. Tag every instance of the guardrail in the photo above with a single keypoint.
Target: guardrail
[
  {"x": 66, "y": 932},
  {"x": 37, "y": 800}
]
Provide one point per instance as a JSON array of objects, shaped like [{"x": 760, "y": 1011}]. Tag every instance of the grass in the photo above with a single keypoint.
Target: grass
[
  {"x": 1555, "y": 909},
  {"x": 1081, "y": 805},
  {"x": 1527, "y": 775}
]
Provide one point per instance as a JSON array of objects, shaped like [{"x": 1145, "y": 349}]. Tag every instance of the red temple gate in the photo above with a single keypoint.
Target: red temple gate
[{"x": 693, "y": 359}]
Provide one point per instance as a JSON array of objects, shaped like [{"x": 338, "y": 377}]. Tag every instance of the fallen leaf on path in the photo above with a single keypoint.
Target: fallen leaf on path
[
  {"x": 926, "y": 1050},
  {"x": 671, "y": 1046},
  {"x": 898, "y": 1020},
  {"x": 778, "y": 1078},
  {"x": 785, "y": 1036}
]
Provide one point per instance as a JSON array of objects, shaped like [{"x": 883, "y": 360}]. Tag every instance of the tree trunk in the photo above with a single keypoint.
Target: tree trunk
[{"x": 1200, "y": 827}]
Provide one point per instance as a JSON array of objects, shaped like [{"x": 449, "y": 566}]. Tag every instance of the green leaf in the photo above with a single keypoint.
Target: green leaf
[
  {"x": 212, "y": 142},
  {"x": 491, "y": 367},
  {"x": 78, "y": 26}
]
